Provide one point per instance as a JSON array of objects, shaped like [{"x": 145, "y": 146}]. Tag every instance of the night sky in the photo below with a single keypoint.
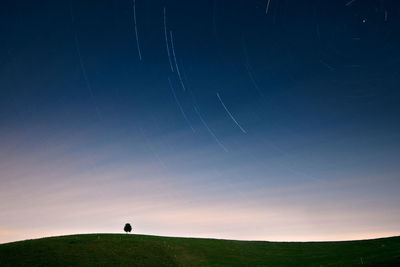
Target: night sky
[{"x": 245, "y": 119}]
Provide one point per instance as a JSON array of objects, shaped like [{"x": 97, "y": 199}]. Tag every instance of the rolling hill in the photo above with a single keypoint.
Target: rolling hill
[{"x": 142, "y": 250}]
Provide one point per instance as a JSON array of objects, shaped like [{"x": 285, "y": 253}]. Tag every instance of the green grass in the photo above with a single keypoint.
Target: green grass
[{"x": 141, "y": 250}]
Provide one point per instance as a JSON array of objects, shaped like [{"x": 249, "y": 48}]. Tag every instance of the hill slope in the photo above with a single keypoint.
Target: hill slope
[{"x": 141, "y": 250}]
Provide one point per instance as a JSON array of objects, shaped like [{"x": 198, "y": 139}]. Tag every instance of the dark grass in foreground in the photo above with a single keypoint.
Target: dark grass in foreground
[{"x": 141, "y": 250}]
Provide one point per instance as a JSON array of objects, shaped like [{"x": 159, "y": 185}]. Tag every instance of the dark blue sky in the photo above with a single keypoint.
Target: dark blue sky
[{"x": 230, "y": 94}]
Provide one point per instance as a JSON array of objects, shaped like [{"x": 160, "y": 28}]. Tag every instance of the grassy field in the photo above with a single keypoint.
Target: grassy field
[{"x": 141, "y": 250}]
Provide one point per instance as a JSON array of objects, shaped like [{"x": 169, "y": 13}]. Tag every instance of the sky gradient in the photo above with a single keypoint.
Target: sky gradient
[{"x": 260, "y": 120}]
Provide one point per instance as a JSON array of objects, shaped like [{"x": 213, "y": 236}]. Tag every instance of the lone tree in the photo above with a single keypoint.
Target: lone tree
[{"x": 127, "y": 228}]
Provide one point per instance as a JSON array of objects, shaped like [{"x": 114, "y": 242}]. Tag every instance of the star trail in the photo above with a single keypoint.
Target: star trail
[{"x": 261, "y": 120}]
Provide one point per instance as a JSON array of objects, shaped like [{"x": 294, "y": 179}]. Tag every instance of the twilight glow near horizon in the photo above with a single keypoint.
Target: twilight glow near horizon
[{"x": 254, "y": 120}]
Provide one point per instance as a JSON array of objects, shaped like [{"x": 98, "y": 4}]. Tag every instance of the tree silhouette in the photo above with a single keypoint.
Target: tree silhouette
[{"x": 127, "y": 228}]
